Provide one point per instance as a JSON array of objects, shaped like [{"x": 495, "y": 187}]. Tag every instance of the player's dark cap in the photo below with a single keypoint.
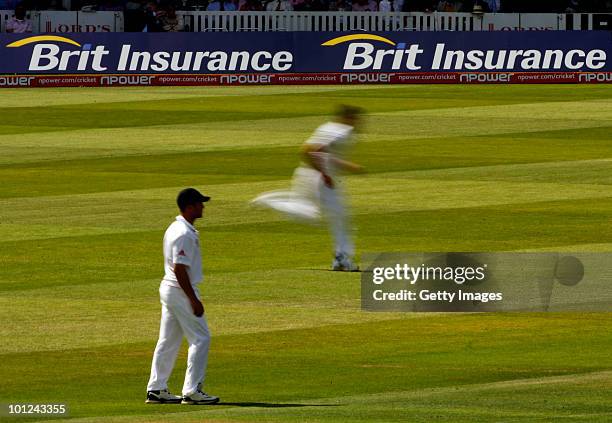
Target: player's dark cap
[{"x": 190, "y": 196}]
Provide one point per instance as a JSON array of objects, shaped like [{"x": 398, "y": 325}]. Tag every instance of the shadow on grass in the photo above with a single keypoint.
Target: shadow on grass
[
  {"x": 273, "y": 405},
  {"x": 331, "y": 270}
]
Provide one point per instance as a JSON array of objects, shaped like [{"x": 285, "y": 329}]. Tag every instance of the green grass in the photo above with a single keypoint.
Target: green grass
[{"x": 89, "y": 178}]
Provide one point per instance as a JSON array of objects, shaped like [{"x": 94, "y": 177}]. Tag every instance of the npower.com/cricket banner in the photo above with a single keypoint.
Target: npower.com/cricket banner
[{"x": 234, "y": 58}]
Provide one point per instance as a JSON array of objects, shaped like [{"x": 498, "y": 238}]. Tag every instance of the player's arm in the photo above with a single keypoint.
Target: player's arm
[
  {"x": 348, "y": 166},
  {"x": 314, "y": 155},
  {"x": 180, "y": 270}
]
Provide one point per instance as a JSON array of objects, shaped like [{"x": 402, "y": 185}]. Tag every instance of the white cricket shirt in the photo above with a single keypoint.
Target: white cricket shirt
[
  {"x": 335, "y": 136},
  {"x": 182, "y": 246}
]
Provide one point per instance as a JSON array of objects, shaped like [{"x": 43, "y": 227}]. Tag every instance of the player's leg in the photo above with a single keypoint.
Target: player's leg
[
  {"x": 333, "y": 205},
  {"x": 301, "y": 203},
  {"x": 166, "y": 350},
  {"x": 268, "y": 199},
  {"x": 198, "y": 337},
  {"x": 306, "y": 183}
]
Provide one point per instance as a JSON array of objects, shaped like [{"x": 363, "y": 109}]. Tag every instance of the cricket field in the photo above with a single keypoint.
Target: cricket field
[{"x": 88, "y": 183}]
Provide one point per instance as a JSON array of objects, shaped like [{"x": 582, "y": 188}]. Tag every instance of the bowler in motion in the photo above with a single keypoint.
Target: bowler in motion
[{"x": 316, "y": 188}]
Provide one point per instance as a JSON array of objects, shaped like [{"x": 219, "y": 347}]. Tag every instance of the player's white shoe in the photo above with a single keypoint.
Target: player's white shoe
[
  {"x": 342, "y": 263},
  {"x": 162, "y": 397},
  {"x": 200, "y": 398}
]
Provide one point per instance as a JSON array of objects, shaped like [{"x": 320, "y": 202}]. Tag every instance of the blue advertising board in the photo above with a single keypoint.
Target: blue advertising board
[{"x": 308, "y": 57}]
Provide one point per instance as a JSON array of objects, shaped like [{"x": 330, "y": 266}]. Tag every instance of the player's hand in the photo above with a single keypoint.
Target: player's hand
[
  {"x": 198, "y": 308},
  {"x": 328, "y": 181},
  {"x": 359, "y": 169}
]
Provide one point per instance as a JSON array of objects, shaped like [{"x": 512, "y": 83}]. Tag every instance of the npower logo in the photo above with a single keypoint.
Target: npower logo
[
  {"x": 375, "y": 52},
  {"x": 57, "y": 53}
]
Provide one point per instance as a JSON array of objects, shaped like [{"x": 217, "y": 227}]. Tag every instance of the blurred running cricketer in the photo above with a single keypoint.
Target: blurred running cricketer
[{"x": 315, "y": 188}]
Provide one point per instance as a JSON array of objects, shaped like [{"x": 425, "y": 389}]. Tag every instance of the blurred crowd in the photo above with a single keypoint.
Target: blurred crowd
[
  {"x": 508, "y": 6},
  {"x": 160, "y": 15}
]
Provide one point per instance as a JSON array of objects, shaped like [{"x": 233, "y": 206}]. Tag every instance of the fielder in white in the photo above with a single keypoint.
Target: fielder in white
[
  {"x": 182, "y": 310},
  {"x": 315, "y": 188}
]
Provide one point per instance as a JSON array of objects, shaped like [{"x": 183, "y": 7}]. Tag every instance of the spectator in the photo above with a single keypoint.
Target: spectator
[
  {"x": 134, "y": 16},
  {"x": 153, "y": 18},
  {"x": 55, "y": 5},
  {"x": 133, "y": 5},
  {"x": 316, "y": 6},
  {"x": 493, "y": 5},
  {"x": 385, "y": 6},
  {"x": 364, "y": 6},
  {"x": 110, "y": 5},
  {"x": 339, "y": 6},
  {"x": 19, "y": 24},
  {"x": 8, "y": 4},
  {"x": 279, "y": 6},
  {"x": 427, "y": 6},
  {"x": 221, "y": 6},
  {"x": 446, "y": 6},
  {"x": 299, "y": 5},
  {"x": 250, "y": 6},
  {"x": 475, "y": 6},
  {"x": 572, "y": 7},
  {"x": 170, "y": 22}
]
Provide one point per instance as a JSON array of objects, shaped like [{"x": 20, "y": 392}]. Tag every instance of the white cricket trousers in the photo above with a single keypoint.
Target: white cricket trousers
[
  {"x": 308, "y": 183},
  {"x": 332, "y": 204},
  {"x": 177, "y": 319}
]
